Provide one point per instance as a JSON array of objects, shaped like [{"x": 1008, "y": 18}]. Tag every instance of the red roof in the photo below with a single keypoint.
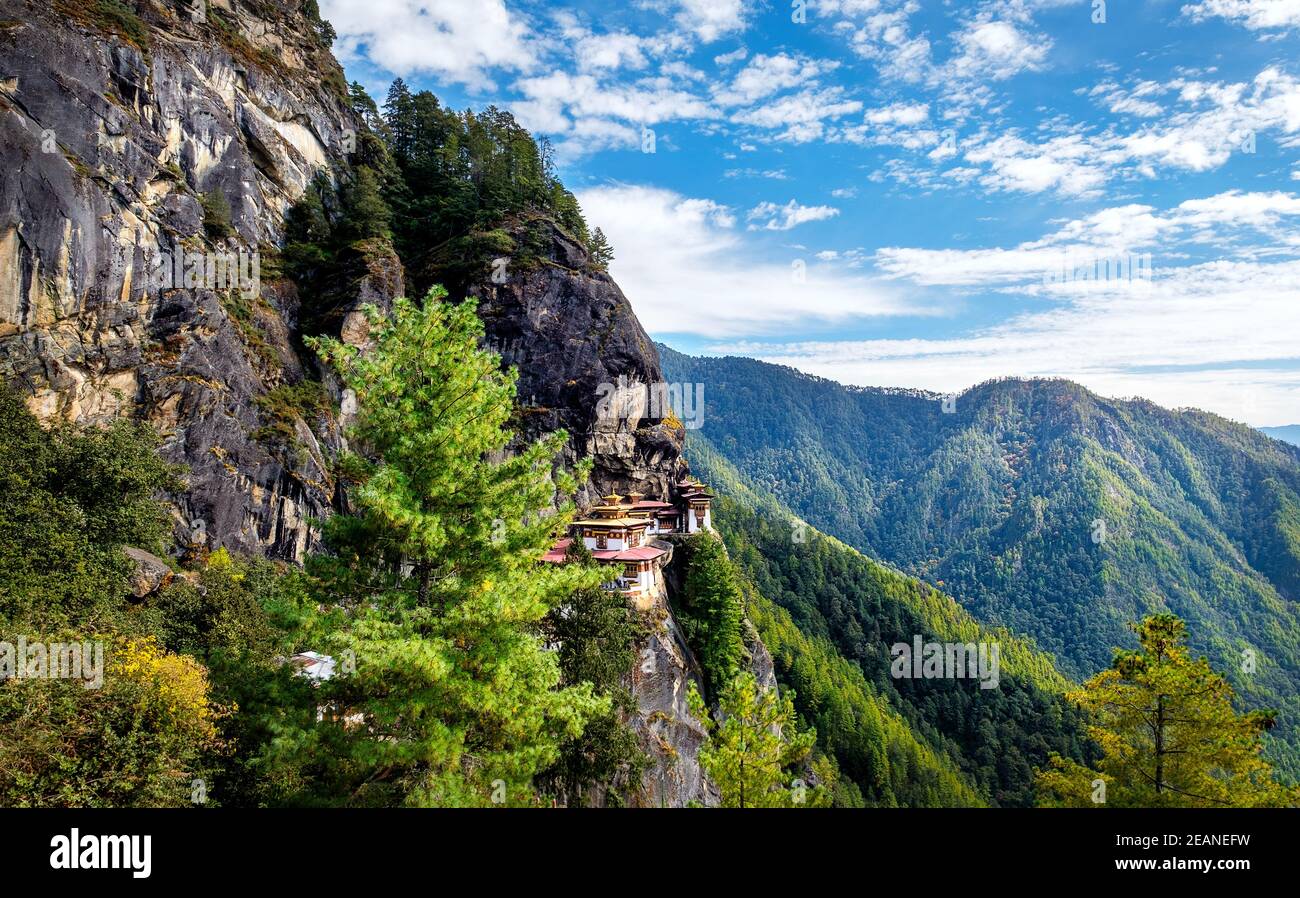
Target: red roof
[
  {"x": 640, "y": 553},
  {"x": 650, "y": 503},
  {"x": 559, "y": 553}
]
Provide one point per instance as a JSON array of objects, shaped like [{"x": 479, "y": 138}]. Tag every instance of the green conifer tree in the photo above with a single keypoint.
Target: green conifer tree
[
  {"x": 714, "y": 610},
  {"x": 601, "y": 252},
  {"x": 434, "y": 592},
  {"x": 595, "y": 633},
  {"x": 1169, "y": 735},
  {"x": 365, "y": 214},
  {"x": 750, "y": 752}
]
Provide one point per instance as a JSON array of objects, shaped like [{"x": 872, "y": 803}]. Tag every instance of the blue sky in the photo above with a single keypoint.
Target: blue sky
[{"x": 908, "y": 194}]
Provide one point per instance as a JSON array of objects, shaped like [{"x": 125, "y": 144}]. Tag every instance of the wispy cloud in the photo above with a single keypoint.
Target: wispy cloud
[
  {"x": 1253, "y": 14},
  {"x": 688, "y": 270},
  {"x": 773, "y": 217}
]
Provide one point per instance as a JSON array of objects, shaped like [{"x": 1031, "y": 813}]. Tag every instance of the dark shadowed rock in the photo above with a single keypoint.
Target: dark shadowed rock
[{"x": 574, "y": 337}]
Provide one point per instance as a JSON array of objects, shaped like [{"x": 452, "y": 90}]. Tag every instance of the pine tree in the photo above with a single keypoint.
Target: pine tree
[
  {"x": 434, "y": 591},
  {"x": 1169, "y": 734},
  {"x": 713, "y": 610},
  {"x": 601, "y": 252},
  {"x": 749, "y": 754},
  {"x": 595, "y": 633},
  {"x": 399, "y": 113},
  {"x": 365, "y": 214}
]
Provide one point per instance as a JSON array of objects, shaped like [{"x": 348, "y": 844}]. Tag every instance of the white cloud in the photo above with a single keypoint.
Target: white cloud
[
  {"x": 432, "y": 36},
  {"x": 687, "y": 269},
  {"x": 882, "y": 34},
  {"x": 584, "y": 95},
  {"x": 773, "y": 217},
  {"x": 1106, "y": 234},
  {"x": 711, "y": 19},
  {"x": 764, "y": 75},
  {"x": 1131, "y": 101},
  {"x": 773, "y": 174},
  {"x": 1253, "y": 14},
  {"x": 1207, "y": 336},
  {"x": 726, "y": 59},
  {"x": 1069, "y": 164},
  {"x": 609, "y": 51},
  {"x": 803, "y": 115},
  {"x": 997, "y": 50},
  {"x": 901, "y": 113},
  {"x": 1212, "y": 122}
]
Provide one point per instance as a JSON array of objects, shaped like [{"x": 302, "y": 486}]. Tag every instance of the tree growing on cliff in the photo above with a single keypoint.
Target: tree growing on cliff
[
  {"x": 216, "y": 215},
  {"x": 595, "y": 633},
  {"x": 1169, "y": 735},
  {"x": 433, "y": 591},
  {"x": 713, "y": 610},
  {"x": 601, "y": 252},
  {"x": 750, "y": 753},
  {"x": 365, "y": 214}
]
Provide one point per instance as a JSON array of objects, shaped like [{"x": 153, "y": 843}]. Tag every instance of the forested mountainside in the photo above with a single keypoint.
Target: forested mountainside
[
  {"x": 846, "y": 604},
  {"x": 1041, "y": 507}
]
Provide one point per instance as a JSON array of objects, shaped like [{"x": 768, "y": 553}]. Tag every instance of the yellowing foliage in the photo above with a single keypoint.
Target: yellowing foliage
[{"x": 175, "y": 687}]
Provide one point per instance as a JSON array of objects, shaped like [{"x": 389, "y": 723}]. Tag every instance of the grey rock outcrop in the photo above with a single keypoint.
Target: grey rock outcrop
[
  {"x": 111, "y": 136},
  {"x": 575, "y": 339},
  {"x": 149, "y": 574}
]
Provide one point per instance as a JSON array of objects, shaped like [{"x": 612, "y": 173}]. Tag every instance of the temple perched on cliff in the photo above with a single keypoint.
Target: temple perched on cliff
[{"x": 622, "y": 528}]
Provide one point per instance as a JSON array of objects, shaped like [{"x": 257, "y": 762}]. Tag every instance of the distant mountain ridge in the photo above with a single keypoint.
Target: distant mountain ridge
[
  {"x": 1287, "y": 433},
  {"x": 1041, "y": 507}
]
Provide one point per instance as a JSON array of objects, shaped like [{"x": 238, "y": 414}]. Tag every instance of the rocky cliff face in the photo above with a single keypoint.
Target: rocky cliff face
[
  {"x": 580, "y": 348},
  {"x": 117, "y": 124},
  {"x": 117, "y": 133}
]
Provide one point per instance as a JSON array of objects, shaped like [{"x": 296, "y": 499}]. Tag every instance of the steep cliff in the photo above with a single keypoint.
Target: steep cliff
[
  {"x": 120, "y": 124},
  {"x": 152, "y": 151},
  {"x": 575, "y": 339}
]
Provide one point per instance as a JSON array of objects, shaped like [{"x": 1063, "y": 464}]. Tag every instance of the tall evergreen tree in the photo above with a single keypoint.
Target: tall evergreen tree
[
  {"x": 750, "y": 753},
  {"x": 601, "y": 252},
  {"x": 365, "y": 214},
  {"x": 713, "y": 610},
  {"x": 595, "y": 633},
  {"x": 1169, "y": 734},
  {"x": 434, "y": 591}
]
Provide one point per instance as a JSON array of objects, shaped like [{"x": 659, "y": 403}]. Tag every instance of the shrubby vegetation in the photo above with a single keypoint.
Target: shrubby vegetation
[
  {"x": 754, "y": 746},
  {"x": 178, "y": 660}
]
